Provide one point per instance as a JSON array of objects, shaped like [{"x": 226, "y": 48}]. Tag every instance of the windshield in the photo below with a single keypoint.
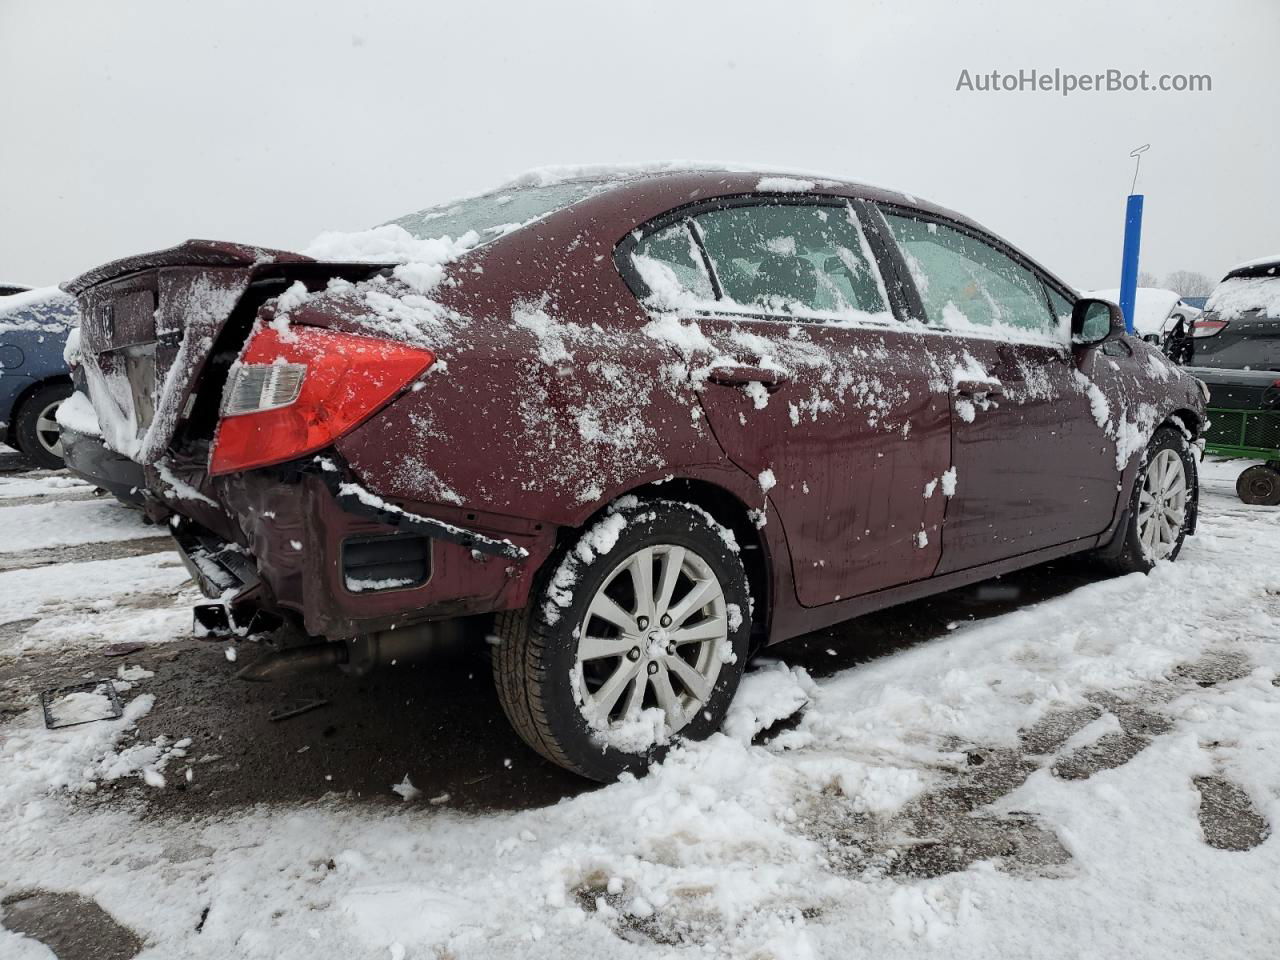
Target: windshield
[{"x": 491, "y": 215}]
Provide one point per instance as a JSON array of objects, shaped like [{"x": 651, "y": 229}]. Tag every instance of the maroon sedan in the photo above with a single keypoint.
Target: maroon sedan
[{"x": 631, "y": 427}]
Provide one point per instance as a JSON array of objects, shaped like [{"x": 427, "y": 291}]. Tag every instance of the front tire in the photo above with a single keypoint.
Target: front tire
[
  {"x": 1162, "y": 505},
  {"x": 36, "y": 430},
  {"x": 636, "y": 637}
]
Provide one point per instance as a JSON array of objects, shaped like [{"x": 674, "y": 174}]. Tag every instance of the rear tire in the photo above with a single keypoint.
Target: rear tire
[
  {"x": 36, "y": 432},
  {"x": 1259, "y": 485},
  {"x": 602, "y": 693},
  {"x": 1159, "y": 518}
]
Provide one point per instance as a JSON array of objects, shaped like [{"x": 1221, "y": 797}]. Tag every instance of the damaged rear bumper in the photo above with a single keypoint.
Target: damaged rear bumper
[{"x": 310, "y": 544}]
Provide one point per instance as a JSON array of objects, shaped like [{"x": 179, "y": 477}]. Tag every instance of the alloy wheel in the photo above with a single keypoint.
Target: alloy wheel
[
  {"x": 1162, "y": 505},
  {"x": 654, "y": 635},
  {"x": 48, "y": 433}
]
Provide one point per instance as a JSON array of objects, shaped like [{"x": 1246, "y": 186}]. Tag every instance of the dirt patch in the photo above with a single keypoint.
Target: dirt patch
[
  {"x": 943, "y": 831},
  {"x": 1106, "y": 753},
  {"x": 1219, "y": 666},
  {"x": 1014, "y": 841},
  {"x": 1056, "y": 728},
  {"x": 1228, "y": 817},
  {"x": 438, "y": 721},
  {"x": 72, "y": 926}
]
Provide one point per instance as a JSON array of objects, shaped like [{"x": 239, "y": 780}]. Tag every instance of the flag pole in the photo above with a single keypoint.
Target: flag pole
[{"x": 1132, "y": 242}]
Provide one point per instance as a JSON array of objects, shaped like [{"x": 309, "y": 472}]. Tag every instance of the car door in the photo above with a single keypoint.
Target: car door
[
  {"x": 810, "y": 384},
  {"x": 1032, "y": 464}
]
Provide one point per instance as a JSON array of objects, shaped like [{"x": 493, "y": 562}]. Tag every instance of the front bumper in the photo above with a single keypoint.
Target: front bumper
[{"x": 307, "y": 549}]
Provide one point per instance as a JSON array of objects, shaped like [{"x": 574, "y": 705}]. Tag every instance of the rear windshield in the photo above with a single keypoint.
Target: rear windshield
[
  {"x": 1236, "y": 296},
  {"x": 491, "y": 215}
]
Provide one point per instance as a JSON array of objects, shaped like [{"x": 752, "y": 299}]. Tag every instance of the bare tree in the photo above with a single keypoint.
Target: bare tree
[
  {"x": 1147, "y": 279},
  {"x": 1188, "y": 283}
]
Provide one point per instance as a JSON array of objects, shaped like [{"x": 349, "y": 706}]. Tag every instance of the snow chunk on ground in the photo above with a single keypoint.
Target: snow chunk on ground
[
  {"x": 633, "y": 734},
  {"x": 765, "y": 697},
  {"x": 406, "y": 790}
]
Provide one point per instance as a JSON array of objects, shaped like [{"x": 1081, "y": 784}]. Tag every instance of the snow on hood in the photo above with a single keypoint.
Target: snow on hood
[{"x": 1151, "y": 306}]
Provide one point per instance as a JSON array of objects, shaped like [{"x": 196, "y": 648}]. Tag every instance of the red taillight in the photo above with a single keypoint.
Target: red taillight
[
  {"x": 295, "y": 393},
  {"x": 1207, "y": 328}
]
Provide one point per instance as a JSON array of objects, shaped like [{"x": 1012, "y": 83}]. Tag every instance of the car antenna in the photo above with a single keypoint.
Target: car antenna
[{"x": 1137, "y": 153}]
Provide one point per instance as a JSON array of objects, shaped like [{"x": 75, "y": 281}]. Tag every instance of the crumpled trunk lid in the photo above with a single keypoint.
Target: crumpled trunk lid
[{"x": 150, "y": 323}]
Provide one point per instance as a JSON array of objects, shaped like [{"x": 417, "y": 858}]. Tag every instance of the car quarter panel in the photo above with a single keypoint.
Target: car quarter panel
[{"x": 551, "y": 395}]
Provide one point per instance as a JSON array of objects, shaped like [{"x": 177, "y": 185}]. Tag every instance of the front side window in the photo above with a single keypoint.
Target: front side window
[
  {"x": 792, "y": 258},
  {"x": 1062, "y": 307},
  {"x": 967, "y": 284}
]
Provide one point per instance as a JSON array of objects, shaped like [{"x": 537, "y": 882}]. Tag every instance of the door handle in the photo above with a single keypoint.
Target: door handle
[
  {"x": 972, "y": 388},
  {"x": 726, "y": 376}
]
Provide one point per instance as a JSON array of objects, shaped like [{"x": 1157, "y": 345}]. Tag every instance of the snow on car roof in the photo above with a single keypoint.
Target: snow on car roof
[
  {"x": 441, "y": 233},
  {"x": 1257, "y": 262},
  {"x": 1151, "y": 306},
  {"x": 545, "y": 176}
]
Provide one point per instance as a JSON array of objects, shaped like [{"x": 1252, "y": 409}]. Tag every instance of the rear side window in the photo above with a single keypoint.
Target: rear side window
[
  {"x": 671, "y": 266},
  {"x": 969, "y": 285},
  {"x": 792, "y": 258}
]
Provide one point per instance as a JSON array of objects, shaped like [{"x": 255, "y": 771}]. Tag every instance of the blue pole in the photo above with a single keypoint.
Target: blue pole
[{"x": 1129, "y": 261}]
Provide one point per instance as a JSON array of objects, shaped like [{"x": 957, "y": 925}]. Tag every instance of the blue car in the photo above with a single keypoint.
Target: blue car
[{"x": 34, "y": 379}]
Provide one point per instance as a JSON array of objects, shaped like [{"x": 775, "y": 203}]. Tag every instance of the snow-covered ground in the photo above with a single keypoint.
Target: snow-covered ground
[{"x": 1093, "y": 774}]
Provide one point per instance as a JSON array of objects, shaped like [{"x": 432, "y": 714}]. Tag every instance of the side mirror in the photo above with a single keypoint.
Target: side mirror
[{"x": 1093, "y": 321}]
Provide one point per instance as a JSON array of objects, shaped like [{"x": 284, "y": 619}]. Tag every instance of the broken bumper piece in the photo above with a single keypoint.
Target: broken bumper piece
[{"x": 310, "y": 545}]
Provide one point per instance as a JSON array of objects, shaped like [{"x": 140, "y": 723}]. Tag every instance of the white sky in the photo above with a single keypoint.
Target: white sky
[{"x": 134, "y": 125}]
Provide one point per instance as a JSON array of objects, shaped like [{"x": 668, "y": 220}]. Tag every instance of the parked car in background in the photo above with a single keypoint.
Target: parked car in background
[
  {"x": 1235, "y": 348},
  {"x": 1160, "y": 316},
  {"x": 33, "y": 376},
  {"x": 83, "y": 450},
  {"x": 632, "y": 426},
  {"x": 8, "y": 289}
]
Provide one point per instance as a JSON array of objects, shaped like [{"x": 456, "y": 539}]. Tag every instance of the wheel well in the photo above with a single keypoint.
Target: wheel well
[
  {"x": 11, "y": 431},
  {"x": 1189, "y": 418}
]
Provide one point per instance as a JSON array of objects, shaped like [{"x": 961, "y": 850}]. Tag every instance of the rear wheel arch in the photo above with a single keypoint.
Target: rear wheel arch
[{"x": 728, "y": 510}]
